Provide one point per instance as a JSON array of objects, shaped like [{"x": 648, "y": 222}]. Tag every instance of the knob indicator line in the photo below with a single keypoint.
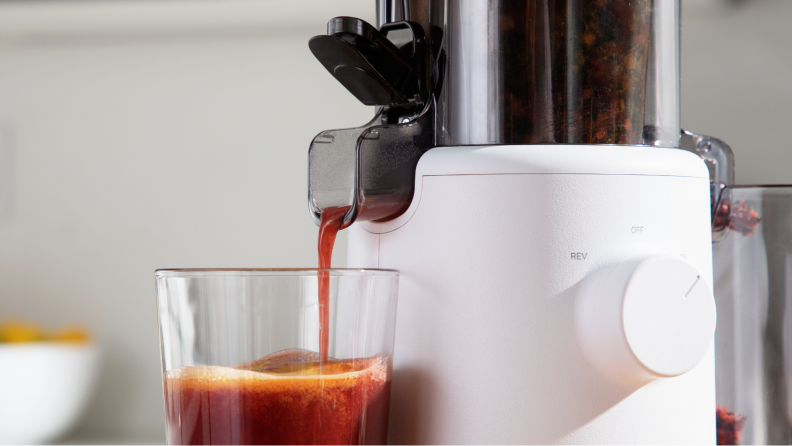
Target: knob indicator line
[{"x": 693, "y": 286}]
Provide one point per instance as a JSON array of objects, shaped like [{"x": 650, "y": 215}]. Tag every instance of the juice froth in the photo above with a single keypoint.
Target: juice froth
[{"x": 289, "y": 397}]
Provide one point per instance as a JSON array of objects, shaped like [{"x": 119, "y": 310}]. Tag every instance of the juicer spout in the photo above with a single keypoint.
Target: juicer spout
[{"x": 371, "y": 169}]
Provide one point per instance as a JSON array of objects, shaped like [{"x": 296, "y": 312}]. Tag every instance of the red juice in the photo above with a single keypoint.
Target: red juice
[{"x": 288, "y": 397}]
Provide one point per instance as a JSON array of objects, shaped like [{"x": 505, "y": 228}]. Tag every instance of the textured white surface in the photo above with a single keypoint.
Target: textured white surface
[
  {"x": 491, "y": 268},
  {"x": 546, "y": 159}
]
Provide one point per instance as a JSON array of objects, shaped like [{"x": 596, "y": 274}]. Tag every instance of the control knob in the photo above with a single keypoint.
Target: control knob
[{"x": 648, "y": 317}]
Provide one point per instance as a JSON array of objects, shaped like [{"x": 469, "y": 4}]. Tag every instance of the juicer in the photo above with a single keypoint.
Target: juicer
[{"x": 524, "y": 173}]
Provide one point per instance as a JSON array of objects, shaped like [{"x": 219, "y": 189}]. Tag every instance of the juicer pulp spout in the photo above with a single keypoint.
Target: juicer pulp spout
[{"x": 720, "y": 162}]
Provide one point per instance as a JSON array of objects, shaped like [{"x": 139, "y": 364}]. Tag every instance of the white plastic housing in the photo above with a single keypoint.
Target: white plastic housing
[{"x": 530, "y": 277}]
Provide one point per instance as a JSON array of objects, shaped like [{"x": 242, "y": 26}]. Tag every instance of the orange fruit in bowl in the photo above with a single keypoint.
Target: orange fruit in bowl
[
  {"x": 71, "y": 334},
  {"x": 20, "y": 331}
]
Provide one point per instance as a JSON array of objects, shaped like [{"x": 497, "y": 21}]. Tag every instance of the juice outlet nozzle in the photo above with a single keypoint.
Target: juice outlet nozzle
[{"x": 371, "y": 169}]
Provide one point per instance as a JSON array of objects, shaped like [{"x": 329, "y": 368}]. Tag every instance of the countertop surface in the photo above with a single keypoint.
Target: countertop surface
[
  {"x": 85, "y": 437},
  {"x": 107, "y": 443}
]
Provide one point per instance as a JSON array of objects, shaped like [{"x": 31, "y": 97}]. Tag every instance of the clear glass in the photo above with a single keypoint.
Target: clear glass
[
  {"x": 240, "y": 362},
  {"x": 753, "y": 340}
]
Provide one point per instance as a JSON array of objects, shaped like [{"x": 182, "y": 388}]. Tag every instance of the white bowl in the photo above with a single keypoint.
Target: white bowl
[{"x": 44, "y": 387}]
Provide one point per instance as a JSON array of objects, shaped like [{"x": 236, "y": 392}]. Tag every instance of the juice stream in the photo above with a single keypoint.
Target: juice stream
[{"x": 332, "y": 218}]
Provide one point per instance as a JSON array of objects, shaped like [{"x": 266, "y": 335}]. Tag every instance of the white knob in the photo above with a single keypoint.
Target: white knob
[{"x": 646, "y": 318}]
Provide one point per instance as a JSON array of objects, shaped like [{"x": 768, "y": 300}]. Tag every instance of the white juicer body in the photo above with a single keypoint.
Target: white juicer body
[{"x": 540, "y": 296}]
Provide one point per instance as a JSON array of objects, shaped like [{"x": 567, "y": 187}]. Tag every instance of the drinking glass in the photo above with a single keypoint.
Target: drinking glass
[
  {"x": 240, "y": 355},
  {"x": 753, "y": 339}
]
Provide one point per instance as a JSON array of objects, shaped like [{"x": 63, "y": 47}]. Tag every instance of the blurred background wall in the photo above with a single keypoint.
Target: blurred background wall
[
  {"x": 737, "y": 82},
  {"x": 137, "y": 135}
]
